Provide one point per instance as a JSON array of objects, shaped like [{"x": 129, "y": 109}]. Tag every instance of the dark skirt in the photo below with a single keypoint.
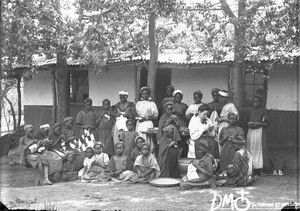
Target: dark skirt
[
  {"x": 105, "y": 136},
  {"x": 226, "y": 158},
  {"x": 170, "y": 167}
]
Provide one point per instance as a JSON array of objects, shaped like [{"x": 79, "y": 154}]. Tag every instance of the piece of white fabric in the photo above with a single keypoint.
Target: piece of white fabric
[{"x": 254, "y": 146}]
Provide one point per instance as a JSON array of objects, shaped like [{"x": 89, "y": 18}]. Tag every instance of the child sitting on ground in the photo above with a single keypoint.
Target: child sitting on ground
[
  {"x": 120, "y": 165},
  {"x": 98, "y": 165},
  {"x": 137, "y": 150},
  {"x": 69, "y": 172},
  {"x": 128, "y": 137},
  {"x": 87, "y": 164},
  {"x": 145, "y": 166}
]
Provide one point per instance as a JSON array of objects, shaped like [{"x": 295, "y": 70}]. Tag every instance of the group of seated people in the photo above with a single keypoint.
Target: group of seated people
[{"x": 114, "y": 146}]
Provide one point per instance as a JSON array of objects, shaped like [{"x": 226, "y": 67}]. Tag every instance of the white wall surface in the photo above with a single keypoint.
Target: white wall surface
[
  {"x": 108, "y": 84},
  {"x": 204, "y": 79},
  {"x": 282, "y": 89},
  {"x": 38, "y": 90}
]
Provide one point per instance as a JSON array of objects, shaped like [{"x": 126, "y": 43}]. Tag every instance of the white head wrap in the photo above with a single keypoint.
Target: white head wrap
[
  {"x": 177, "y": 91},
  {"x": 123, "y": 92},
  {"x": 223, "y": 93},
  {"x": 45, "y": 126}
]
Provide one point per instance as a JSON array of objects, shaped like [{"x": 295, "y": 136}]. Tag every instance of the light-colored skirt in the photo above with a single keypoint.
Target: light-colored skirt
[{"x": 254, "y": 146}]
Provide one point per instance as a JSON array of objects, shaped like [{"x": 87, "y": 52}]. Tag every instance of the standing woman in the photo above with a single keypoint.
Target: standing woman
[
  {"x": 147, "y": 112},
  {"x": 256, "y": 121},
  {"x": 228, "y": 107},
  {"x": 169, "y": 98},
  {"x": 228, "y": 136},
  {"x": 180, "y": 108},
  {"x": 86, "y": 119},
  {"x": 124, "y": 110},
  {"x": 193, "y": 108},
  {"x": 168, "y": 154},
  {"x": 168, "y": 118}
]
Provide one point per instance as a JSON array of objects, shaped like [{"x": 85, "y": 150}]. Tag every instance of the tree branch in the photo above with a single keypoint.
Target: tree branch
[{"x": 227, "y": 9}]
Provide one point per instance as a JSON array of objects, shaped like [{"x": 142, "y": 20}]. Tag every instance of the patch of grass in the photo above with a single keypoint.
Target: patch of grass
[{"x": 49, "y": 206}]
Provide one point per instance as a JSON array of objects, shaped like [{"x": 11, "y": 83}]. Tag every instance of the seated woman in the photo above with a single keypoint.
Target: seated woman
[
  {"x": 226, "y": 138},
  {"x": 200, "y": 173},
  {"x": 201, "y": 127},
  {"x": 119, "y": 166},
  {"x": 168, "y": 154},
  {"x": 45, "y": 162},
  {"x": 145, "y": 166},
  {"x": 55, "y": 137},
  {"x": 239, "y": 173}
]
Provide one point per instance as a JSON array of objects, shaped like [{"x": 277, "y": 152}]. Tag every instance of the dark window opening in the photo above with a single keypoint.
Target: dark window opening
[{"x": 79, "y": 86}]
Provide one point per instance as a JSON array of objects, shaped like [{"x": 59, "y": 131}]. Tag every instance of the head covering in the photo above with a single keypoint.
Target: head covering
[
  {"x": 123, "y": 92},
  {"x": 56, "y": 125},
  {"x": 198, "y": 92},
  {"x": 44, "y": 126},
  {"x": 145, "y": 88},
  {"x": 239, "y": 141},
  {"x": 168, "y": 104},
  {"x": 146, "y": 144},
  {"x": 232, "y": 113},
  {"x": 28, "y": 127},
  {"x": 223, "y": 93},
  {"x": 177, "y": 91},
  {"x": 98, "y": 143},
  {"x": 69, "y": 118},
  {"x": 170, "y": 87},
  {"x": 91, "y": 148},
  {"x": 204, "y": 107},
  {"x": 139, "y": 137},
  {"x": 88, "y": 100},
  {"x": 167, "y": 128},
  {"x": 215, "y": 90},
  {"x": 258, "y": 97},
  {"x": 130, "y": 120}
]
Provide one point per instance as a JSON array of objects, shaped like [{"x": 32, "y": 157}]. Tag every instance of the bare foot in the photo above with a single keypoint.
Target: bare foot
[{"x": 47, "y": 183}]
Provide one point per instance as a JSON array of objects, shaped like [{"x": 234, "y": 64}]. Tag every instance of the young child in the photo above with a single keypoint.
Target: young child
[
  {"x": 86, "y": 119},
  {"x": 137, "y": 150},
  {"x": 87, "y": 164},
  {"x": 120, "y": 165},
  {"x": 98, "y": 165},
  {"x": 128, "y": 137},
  {"x": 145, "y": 166},
  {"x": 105, "y": 121},
  {"x": 69, "y": 172}
]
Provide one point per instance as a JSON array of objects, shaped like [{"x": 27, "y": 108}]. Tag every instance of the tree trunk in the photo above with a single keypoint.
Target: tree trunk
[
  {"x": 237, "y": 74},
  {"x": 12, "y": 111},
  {"x": 19, "y": 78},
  {"x": 54, "y": 94},
  {"x": 151, "y": 79},
  {"x": 63, "y": 86}
]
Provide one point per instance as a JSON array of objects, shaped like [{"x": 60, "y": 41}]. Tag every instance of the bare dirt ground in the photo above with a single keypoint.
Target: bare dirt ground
[{"x": 18, "y": 192}]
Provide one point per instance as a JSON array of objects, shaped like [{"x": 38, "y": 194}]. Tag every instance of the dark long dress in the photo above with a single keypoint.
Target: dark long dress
[
  {"x": 85, "y": 118},
  {"x": 166, "y": 120},
  {"x": 128, "y": 137},
  {"x": 105, "y": 130},
  {"x": 179, "y": 110},
  {"x": 168, "y": 159},
  {"x": 228, "y": 151}
]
